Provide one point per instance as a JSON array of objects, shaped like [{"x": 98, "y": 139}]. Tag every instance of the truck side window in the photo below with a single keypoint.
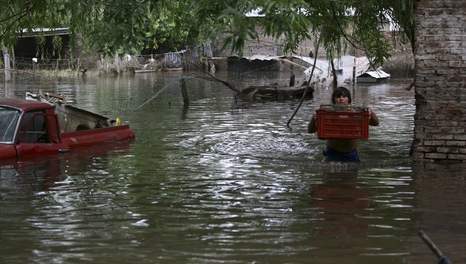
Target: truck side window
[{"x": 33, "y": 128}]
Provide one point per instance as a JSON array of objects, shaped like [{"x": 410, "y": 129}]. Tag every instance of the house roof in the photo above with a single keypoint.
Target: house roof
[
  {"x": 26, "y": 33},
  {"x": 378, "y": 74}
]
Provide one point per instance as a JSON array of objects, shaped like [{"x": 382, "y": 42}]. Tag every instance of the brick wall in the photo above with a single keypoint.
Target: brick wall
[{"x": 440, "y": 59}]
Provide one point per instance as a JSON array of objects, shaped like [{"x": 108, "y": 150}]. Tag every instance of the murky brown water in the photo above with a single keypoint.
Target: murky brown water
[{"x": 226, "y": 182}]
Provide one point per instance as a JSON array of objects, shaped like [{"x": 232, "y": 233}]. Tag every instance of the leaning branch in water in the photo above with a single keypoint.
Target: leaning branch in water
[
  {"x": 210, "y": 77},
  {"x": 308, "y": 87},
  {"x": 410, "y": 86},
  {"x": 206, "y": 75}
]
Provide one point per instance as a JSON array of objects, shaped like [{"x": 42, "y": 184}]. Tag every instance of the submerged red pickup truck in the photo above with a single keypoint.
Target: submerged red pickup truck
[{"x": 33, "y": 128}]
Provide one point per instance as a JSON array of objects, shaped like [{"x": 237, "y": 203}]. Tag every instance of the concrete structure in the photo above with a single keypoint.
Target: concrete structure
[
  {"x": 39, "y": 43},
  {"x": 265, "y": 45},
  {"x": 440, "y": 58}
]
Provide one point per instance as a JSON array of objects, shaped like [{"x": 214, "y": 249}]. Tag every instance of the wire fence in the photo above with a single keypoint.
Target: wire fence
[
  {"x": 184, "y": 59},
  {"x": 24, "y": 63}
]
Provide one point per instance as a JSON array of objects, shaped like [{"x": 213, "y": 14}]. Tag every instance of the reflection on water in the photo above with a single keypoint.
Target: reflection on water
[{"x": 226, "y": 181}]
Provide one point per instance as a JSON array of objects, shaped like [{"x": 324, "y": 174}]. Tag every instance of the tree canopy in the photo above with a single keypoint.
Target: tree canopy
[{"x": 128, "y": 26}]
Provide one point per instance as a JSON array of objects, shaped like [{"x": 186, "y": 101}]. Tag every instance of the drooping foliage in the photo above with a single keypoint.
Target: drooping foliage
[
  {"x": 128, "y": 26},
  {"x": 17, "y": 15}
]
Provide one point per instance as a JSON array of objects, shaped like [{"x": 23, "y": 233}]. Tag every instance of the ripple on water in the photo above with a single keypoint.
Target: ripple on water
[
  {"x": 222, "y": 183},
  {"x": 252, "y": 143}
]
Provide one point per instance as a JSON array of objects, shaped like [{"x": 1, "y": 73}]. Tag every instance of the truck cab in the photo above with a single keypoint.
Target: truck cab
[
  {"x": 33, "y": 128},
  {"x": 27, "y": 128}
]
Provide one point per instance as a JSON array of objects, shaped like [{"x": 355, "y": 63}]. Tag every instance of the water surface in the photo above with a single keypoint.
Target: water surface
[{"x": 225, "y": 181}]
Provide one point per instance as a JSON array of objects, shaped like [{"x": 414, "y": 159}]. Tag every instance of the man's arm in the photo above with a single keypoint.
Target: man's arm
[{"x": 373, "y": 119}]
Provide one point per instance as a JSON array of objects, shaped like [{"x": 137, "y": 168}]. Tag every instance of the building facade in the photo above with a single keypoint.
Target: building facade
[{"x": 440, "y": 61}]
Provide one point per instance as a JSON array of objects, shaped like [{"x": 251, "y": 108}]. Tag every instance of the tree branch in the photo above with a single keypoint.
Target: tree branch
[
  {"x": 211, "y": 77},
  {"x": 308, "y": 85}
]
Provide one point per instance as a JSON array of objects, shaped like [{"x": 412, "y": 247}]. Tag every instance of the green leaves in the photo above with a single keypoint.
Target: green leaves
[{"x": 129, "y": 26}]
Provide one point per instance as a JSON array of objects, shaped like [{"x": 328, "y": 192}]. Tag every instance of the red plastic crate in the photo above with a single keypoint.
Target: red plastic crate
[{"x": 336, "y": 122}]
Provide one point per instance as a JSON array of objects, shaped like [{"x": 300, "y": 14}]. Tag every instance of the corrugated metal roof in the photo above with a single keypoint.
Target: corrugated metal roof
[
  {"x": 378, "y": 74},
  {"x": 25, "y": 33},
  {"x": 262, "y": 57}
]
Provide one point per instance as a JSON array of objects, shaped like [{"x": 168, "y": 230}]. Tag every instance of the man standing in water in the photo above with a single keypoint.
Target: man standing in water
[{"x": 344, "y": 150}]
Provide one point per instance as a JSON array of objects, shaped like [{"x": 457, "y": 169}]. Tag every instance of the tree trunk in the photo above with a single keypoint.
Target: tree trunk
[
  {"x": 13, "y": 59},
  {"x": 334, "y": 73},
  {"x": 6, "y": 62}
]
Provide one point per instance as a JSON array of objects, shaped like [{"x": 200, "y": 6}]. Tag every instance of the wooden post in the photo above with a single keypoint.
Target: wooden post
[
  {"x": 292, "y": 80},
  {"x": 292, "y": 76},
  {"x": 184, "y": 92}
]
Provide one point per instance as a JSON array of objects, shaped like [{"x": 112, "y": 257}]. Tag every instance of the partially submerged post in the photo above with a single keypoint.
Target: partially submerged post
[
  {"x": 292, "y": 76},
  {"x": 292, "y": 79},
  {"x": 184, "y": 92}
]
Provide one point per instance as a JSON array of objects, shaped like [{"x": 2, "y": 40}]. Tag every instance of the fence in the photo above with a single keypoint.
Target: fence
[
  {"x": 23, "y": 63},
  {"x": 184, "y": 59}
]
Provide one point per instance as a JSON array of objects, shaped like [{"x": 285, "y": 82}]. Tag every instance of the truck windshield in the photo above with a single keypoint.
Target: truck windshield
[{"x": 8, "y": 120}]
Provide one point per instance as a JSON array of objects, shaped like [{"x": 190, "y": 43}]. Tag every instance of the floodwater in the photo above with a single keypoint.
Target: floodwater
[{"x": 225, "y": 181}]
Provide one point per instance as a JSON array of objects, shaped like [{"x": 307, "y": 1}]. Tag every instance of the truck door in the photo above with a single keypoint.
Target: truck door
[
  {"x": 9, "y": 118},
  {"x": 33, "y": 138}
]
